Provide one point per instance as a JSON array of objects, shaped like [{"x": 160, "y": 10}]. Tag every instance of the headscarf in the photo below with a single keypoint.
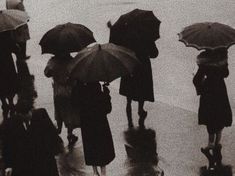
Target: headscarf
[{"x": 216, "y": 58}]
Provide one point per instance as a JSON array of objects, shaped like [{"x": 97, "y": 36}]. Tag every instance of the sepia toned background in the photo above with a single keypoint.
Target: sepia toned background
[{"x": 174, "y": 114}]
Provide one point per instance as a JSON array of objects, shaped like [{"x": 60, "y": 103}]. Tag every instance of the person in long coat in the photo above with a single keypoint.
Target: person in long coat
[
  {"x": 214, "y": 110},
  {"x": 58, "y": 68},
  {"x": 139, "y": 86},
  {"x": 30, "y": 143},
  {"x": 21, "y": 34},
  {"x": 95, "y": 104},
  {"x": 8, "y": 75}
]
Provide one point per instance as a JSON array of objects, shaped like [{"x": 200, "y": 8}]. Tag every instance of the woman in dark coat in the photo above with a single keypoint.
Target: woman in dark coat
[
  {"x": 139, "y": 87},
  {"x": 57, "y": 68},
  {"x": 214, "y": 111},
  {"x": 8, "y": 75},
  {"x": 97, "y": 139}
]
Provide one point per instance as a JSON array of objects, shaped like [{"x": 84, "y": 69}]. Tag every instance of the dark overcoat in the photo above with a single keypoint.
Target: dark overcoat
[
  {"x": 96, "y": 134},
  {"x": 8, "y": 75},
  {"x": 139, "y": 86},
  {"x": 31, "y": 152},
  {"x": 214, "y": 108}
]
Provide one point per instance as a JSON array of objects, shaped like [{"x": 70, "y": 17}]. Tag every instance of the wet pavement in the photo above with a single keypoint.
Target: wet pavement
[{"x": 173, "y": 116}]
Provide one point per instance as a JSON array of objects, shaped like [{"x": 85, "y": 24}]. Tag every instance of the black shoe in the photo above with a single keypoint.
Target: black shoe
[
  {"x": 218, "y": 155},
  {"x": 210, "y": 157}
]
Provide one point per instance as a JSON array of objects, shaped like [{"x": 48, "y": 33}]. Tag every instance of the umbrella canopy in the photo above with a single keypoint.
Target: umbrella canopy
[
  {"x": 103, "y": 63},
  {"x": 208, "y": 36},
  {"x": 137, "y": 24},
  {"x": 67, "y": 37},
  {"x": 12, "y": 19}
]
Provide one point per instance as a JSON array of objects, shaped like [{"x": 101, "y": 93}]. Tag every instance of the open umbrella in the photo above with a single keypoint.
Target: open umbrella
[
  {"x": 103, "y": 63},
  {"x": 208, "y": 35},
  {"x": 12, "y": 19},
  {"x": 137, "y": 24},
  {"x": 67, "y": 37}
]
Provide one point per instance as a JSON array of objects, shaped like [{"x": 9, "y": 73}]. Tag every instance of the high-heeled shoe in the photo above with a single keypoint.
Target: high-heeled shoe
[
  {"x": 218, "y": 155},
  {"x": 209, "y": 156}
]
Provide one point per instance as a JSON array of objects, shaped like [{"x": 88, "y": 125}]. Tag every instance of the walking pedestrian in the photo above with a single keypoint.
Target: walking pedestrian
[
  {"x": 95, "y": 104},
  {"x": 214, "y": 110},
  {"x": 65, "y": 112},
  {"x": 139, "y": 86},
  {"x": 8, "y": 76},
  {"x": 21, "y": 34},
  {"x": 30, "y": 143}
]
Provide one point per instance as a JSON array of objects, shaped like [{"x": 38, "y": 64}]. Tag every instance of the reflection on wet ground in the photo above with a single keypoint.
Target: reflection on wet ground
[
  {"x": 141, "y": 149},
  {"x": 71, "y": 162},
  {"x": 142, "y": 158}
]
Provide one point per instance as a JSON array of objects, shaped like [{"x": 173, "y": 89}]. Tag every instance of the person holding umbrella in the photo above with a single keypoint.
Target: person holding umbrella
[
  {"x": 139, "y": 86},
  {"x": 61, "y": 41},
  {"x": 57, "y": 68},
  {"x": 8, "y": 75},
  {"x": 10, "y": 20},
  {"x": 137, "y": 30},
  {"x": 95, "y": 104},
  {"x": 21, "y": 34},
  {"x": 94, "y": 64},
  {"x": 214, "y": 110}
]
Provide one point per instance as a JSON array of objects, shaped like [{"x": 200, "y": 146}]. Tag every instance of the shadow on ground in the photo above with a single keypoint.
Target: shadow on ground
[{"x": 141, "y": 149}]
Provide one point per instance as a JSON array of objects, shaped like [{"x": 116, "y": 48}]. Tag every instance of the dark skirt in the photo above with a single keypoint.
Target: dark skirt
[
  {"x": 215, "y": 110},
  {"x": 97, "y": 140},
  {"x": 65, "y": 111},
  {"x": 139, "y": 87}
]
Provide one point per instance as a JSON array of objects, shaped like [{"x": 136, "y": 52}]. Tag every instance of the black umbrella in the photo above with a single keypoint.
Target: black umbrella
[
  {"x": 104, "y": 62},
  {"x": 67, "y": 37},
  {"x": 208, "y": 35},
  {"x": 136, "y": 25}
]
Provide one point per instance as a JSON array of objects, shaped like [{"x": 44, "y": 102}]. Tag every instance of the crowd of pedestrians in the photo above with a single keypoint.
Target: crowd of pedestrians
[{"x": 31, "y": 141}]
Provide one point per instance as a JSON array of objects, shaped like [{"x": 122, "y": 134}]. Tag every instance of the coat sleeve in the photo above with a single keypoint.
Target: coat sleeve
[
  {"x": 153, "y": 51},
  {"x": 107, "y": 100},
  {"x": 198, "y": 80},
  {"x": 48, "y": 71}
]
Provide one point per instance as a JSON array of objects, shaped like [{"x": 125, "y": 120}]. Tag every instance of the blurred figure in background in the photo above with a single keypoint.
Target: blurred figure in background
[
  {"x": 8, "y": 75},
  {"x": 21, "y": 34},
  {"x": 30, "y": 143}
]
